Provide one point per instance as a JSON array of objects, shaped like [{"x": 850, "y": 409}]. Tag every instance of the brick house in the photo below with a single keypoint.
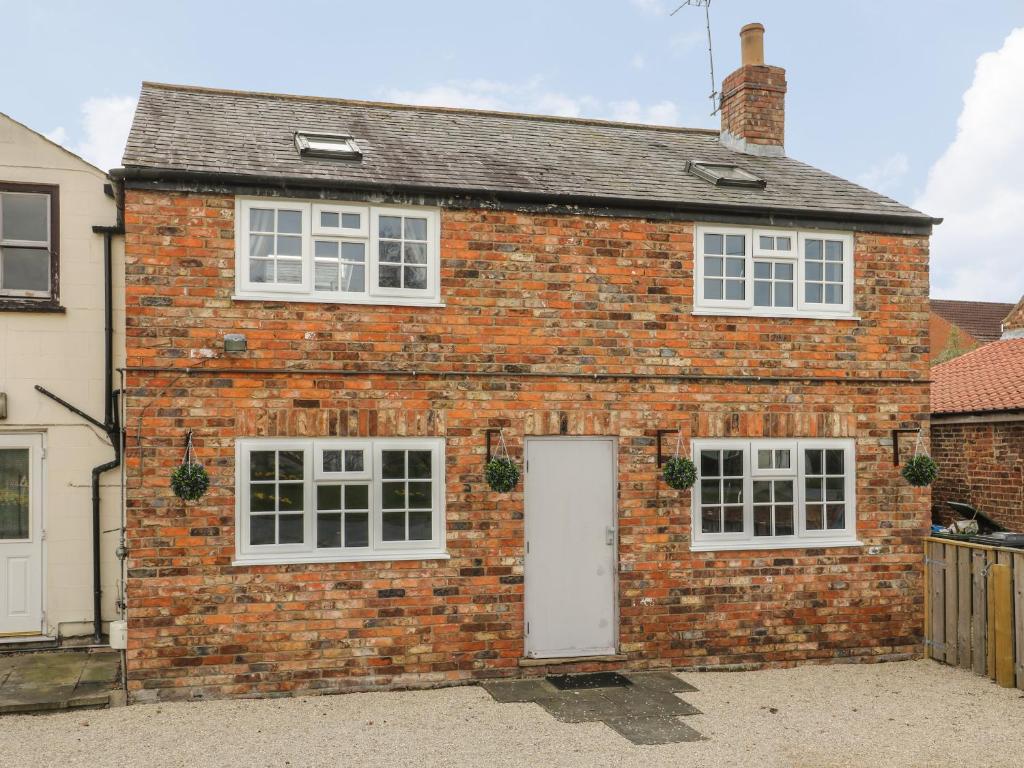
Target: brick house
[
  {"x": 956, "y": 326},
  {"x": 409, "y": 279},
  {"x": 978, "y": 428}
]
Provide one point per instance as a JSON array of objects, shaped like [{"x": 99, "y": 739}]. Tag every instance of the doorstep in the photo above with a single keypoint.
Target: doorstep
[
  {"x": 11, "y": 643},
  {"x": 52, "y": 680},
  {"x": 527, "y": 661}
]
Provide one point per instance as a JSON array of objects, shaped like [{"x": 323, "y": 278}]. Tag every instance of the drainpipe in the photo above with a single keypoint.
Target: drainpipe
[{"x": 111, "y": 423}]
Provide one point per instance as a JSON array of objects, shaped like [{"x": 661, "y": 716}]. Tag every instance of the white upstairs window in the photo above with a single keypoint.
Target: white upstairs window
[
  {"x": 773, "y": 272},
  {"x": 337, "y": 252},
  {"x": 773, "y": 494}
]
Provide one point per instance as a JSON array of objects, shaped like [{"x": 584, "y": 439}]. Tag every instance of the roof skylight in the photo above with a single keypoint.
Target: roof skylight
[
  {"x": 725, "y": 175},
  {"x": 327, "y": 145}
]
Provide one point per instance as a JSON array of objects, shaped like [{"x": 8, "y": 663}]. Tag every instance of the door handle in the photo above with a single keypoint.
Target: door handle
[{"x": 609, "y": 536}]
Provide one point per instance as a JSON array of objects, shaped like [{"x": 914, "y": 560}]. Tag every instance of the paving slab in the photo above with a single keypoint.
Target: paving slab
[
  {"x": 653, "y": 730},
  {"x": 662, "y": 680},
  {"x": 51, "y": 680}
]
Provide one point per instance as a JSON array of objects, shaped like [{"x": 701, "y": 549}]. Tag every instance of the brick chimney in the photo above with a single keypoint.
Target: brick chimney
[{"x": 753, "y": 105}]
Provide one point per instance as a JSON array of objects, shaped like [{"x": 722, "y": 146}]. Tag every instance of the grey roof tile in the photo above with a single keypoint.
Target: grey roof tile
[{"x": 189, "y": 129}]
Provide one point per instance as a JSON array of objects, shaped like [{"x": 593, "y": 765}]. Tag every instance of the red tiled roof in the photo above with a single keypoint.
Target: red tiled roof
[
  {"x": 983, "y": 320},
  {"x": 989, "y": 378}
]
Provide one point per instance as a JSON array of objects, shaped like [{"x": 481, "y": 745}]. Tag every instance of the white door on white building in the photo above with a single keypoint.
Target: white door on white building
[
  {"x": 21, "y": 535},
  {"x": 570, "y": 562}
]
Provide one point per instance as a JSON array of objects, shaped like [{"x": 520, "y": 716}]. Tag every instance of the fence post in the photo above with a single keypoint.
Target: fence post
[{"x": 1001, "y": 591}]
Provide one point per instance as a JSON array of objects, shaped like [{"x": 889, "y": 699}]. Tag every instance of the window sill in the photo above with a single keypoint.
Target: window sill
[
  {"x": 740, "y": 546},
  {"x": 369, "y": 557},
  {"x": 9, "y": 304},
  {"x": 298, "y": 298},
  {"x": 776, "y": 315}
]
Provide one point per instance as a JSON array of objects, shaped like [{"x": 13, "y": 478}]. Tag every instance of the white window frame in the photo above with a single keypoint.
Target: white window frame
[
  {"x": 246, "y": 290},
  {"x": 44, "y": 246},
  {"x": 802, "y": 538},
  {"x": 846, "y": 308},
  {"x": 308, "y": 552},
  {"x": 800, "y": 308}
]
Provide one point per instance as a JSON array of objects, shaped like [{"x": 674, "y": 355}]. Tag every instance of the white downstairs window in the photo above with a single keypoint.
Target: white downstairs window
[
  {"x": 337, "y": 252},
  {"x": 773, "y": 272},
  {"x": 773, "y": 494},
  {"x": 333, "y": 500}
]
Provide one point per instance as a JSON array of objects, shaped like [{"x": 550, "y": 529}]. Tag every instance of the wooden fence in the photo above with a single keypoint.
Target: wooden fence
[{"x": 974, "y": 608}]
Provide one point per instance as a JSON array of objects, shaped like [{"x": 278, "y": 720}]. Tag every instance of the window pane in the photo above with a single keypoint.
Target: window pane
[
  {"x": 735, "y": 267},
  {"x": 813, "y": 293},
  {"x": 415, "y": 229},
  {"x": 290, "y": 465},
  {"x": 713, "y": 288},
  {"x": 833, "y": 294},
  {"x": 782, "y": 458},
  {"x": 834, "y": 488},
  {"x": 735, "y": 290},
  {"x": 783, "y": 294},
  {"x": 812, "y": 489},
  {"x": 812, "y": 249},
  {"x": 25, "y": 269},
  {"x": 325, "y": 276},
  {"x": 420, "y": 463},
  {"x": 416, "y": 277},
  {"x": 767, "y": 243},
  {"x": 328, "y": 530},
  {"x": 762, "y": 521},
  {"x": 733, "y": 520},
  {"x": 322, "y": 249},
  {"x": 392, "y": 495},
  {"x": 711, "y": 520},
  {"x": 390, "y": 277},
  {"x": 733, "y": 463},
  {"x": 393, "y": 526},
  {"x": 710, "y": 465},
  {"x": 350, "y": 220},
  {"x": 357, "y": 496},
  {"x": 834, "y": 273},
  {"x": 357, "y": 530},
  {"x": 391, "y": 252},
  {"x": 416, "y": 253},
  {"x": 392, "y": 464},
  {"x": 288, "y": 245},
  {"x": 835, "y": 516},
  {"x": 713, "y": 266},
  {"x": 330, "y": 219},
  {"x": 732, "y": 491},
  {"x": 25, "y": 216},
  {"x": 261, "y": 271},
  {"x": 814, "y": 519},
  {"x": 328, "y": 497},
  {"x": 783, "y": 244},
  {"x": 834, "y": 250},
  {"x": 353, "y": 279},
  {"x": 261, "y": 220},
  {"x": 764, "y": 459},
  {"x": 784, "y": 520},
  {"x": 762, "y": 294},
  {"x": 784, "y": 491},
  {"x": 390, "y": 227},
  {"x": 420, "y": 526},
  {"x": 812, "y": 461},
  {"x": 783, "y": 271},
  {"x": 735, "y": 245},
  {"x": 353, "y": 252},
  {"x": 834, "y": 461},
  {"x": 290, "y": 529},
  {"x": 354, "y": 461},
  {"x": 762, "y": 270},
  {"x": 262, "y": 497},
  {"x": 814, "y": 271},
  {"x": 14, "y": 500},
  {"x": 762, "y": 491},
  {"x": 289, "y": 497},
  {"x": 261, "y": 245},
  {"x": 261, "y": 465},
  {"x": 710, "y": 491},
  {"x": 289, "y": 271},
  {"x": 419, "y": 495},
  {"x": 289, "y": 222},
  {"x": 713, "y": 244},
  {"x": 261, "y": 529}
]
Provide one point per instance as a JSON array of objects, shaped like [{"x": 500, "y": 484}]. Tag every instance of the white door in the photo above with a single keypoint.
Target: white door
[
  {"x": 21, "y": 536},
  {"x": 570, "y": 547}
]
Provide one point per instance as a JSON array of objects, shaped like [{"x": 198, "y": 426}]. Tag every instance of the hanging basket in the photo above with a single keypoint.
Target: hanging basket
[
  {"x": 501, "y": 473},
  {"x": 920, "y": 470},
  {"x": 189, "y": 481},
  {"x": 680, "y": 473}
]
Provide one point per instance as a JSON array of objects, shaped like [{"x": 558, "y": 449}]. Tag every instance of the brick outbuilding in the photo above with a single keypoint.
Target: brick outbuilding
[{"x": 416, "y": 286}]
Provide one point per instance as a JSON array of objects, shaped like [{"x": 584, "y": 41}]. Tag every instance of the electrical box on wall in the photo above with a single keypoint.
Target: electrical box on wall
[{"x": 3, "y": 405}]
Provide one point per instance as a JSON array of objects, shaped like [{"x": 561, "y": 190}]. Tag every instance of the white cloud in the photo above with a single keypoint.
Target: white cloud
[
  {"x": 533, "y": 98},
  {"x": 977, "y": 186},
  {"x": 105, "y": 123},
  {"x": 886, "y": 175}
]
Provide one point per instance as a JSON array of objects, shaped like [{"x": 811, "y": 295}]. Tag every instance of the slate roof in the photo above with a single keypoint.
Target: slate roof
[
  {"x": 989, "y": 378},
  {"x": 183, "y": 130},
  {"x": 983, "y": 320}
]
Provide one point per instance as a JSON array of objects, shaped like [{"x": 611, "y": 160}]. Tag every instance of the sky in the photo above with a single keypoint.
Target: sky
[{"x": 922, "y": 100}]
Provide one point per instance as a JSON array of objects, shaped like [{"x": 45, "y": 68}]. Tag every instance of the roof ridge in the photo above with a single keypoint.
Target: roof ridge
[
  {"x": 426, "y": 108},
  {"x": 972, "y": 301}
]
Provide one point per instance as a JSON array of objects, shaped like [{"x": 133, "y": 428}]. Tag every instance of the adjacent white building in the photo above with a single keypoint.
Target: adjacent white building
[{"x": 53, "y": 273}]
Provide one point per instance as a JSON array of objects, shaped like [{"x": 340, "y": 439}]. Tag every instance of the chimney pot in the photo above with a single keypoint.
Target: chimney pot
[{"x": 752, "y": 44}]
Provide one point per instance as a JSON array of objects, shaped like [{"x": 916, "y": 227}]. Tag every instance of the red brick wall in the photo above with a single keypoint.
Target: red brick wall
[
  {"x": 981, "y": 464},
  {"x": 522, "y": 291}
]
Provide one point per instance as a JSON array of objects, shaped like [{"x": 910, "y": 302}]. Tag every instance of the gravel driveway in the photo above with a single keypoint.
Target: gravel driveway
[{"x": 915, "y": 713}]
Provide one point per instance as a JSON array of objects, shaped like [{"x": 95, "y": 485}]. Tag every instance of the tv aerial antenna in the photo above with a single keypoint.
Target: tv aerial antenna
[{"x": 706, "y": 5}]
